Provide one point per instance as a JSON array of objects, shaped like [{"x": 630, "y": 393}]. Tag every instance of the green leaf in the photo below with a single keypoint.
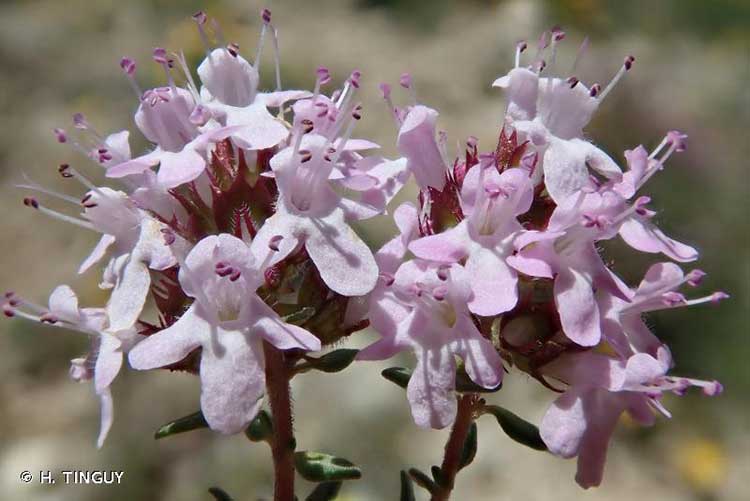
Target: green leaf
[
  {"x": 437, "y": 475},
  {"x": 422, "y": 480},
  {"x": 517, "y": 428},
  {"x": 300, "y": 316},
  {"x": 397, "y": 375},
  {"x": 260, "y": 428},
  {"x": 470, "y": 447},
  {"x": 407, "y": 488},
  {"x": 320, "y": 467},
  {"x": 219, "y": 494},
  {"x": 181, "y": 425},
  {"x": 325, "y": 491},
  {"x": 335, "y": 361}
]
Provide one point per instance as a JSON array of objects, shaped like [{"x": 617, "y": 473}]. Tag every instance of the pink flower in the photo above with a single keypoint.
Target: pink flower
[
  {"x": 551, "y": 113},
  {"x": 417, "y": 142},
  {"x": 229, "y": 322},
  {"x": 103, "y": 362},
  {"x": 491, "y": 202},
  {"x": 622, "y": 322},
  {"x": 425, "y": 311},
  {"x": 582, "y": 420},
  {"x": 230, "y": 93},
  {"x": 310, "y": 214}
]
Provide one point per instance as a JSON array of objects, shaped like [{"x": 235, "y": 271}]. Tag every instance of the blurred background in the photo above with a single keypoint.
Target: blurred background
[{"x": 691, "y": 73}]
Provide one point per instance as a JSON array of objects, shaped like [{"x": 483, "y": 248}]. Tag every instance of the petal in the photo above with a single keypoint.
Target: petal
[
  {"x": 565, "y": 169},
  {"x": 579, "y": 313},
  {"x": 431, "y": 388},
  {"x": 645, "y": 237},
  {"x": 181, "y": 167},
  {"x": 108, "y": 362},
  {"x": 63, "y": 303},
  {"x": 97, "y": 254},
  {"x": 280, "y": 224},
  {"x": 416, "y": 141},
  {"x": 483, "y": 364},
  {"x": 493, "y": 282},
  {"x": 522, "y": 87},
  {"x": 172, "y": 344},
  {"x": 136, "y": 165},
  {"x": 232, "y": 381},
  {"x": 280, "y": 334},
  {"x": 276, "y": 99},
  {"x": 602, "y": 413},
  {"x": 602, "y": 163},
  {"x": 107, "y": 416},
  {"x": 259, "y": 130},
  {"x": 151, "y": 247},
  {"x": 564, "y": 424},
  {"x": 129, "y": 294},
  {"x": 344, "y": 261},
  {"x": 449, "y": 246}
]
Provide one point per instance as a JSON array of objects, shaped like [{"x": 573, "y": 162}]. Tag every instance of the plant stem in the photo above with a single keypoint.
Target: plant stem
[
  {"x": 455, "y": 446},
  {"x": 283, "y": 442}
]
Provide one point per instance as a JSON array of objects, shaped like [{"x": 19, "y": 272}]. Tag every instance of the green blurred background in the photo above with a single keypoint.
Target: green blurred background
[{"x": 692, "y": 71}]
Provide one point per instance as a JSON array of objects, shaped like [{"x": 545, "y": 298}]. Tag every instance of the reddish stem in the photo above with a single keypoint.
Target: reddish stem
[
  {"x": 283, "y": 443},
  {"x": 455, "y": 446}
]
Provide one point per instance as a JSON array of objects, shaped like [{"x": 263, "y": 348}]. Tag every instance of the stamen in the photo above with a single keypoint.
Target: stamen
[
  {"x": 407, "y": 82},
  {"x": 385, "y": 90},
  {"x": 128, "y": 66},
  {"x": 161, "y": 58},
  {"x": 322, "y": 77},
  {"x": 273, "y": 244},
  {"x": 520, "y": 47},
  {"x": 695, "y": 277},
  {"x": 595, "y": 89},
  {"x": 33, "y": 203},
  {"x": 61, "y": 136},
  {"x": 264, "y": 14},
  {"x": 31, "y": 185},
  {"x": 627, "y": 64},
  {"x": 200, "y": 19}
]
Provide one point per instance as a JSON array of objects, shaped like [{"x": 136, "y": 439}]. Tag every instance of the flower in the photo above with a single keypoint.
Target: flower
[
  {"x": 581, "y": 421},
  {"x": 229, "y": 322},
  {"x": 551, "y": 113},
  {"x": 622, "y": 323},
  {"x": 491, "y": 202},
  {"x": 104, "y": 360},
  {"x": 310, "y": 213},
  {"x": 425, "y": 311}
]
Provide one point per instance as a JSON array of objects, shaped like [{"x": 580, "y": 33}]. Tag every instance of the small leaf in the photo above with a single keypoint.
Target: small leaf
[
  {"x": 181, "y": 425},
  {"x": 407, "y": 488},
  {"x": 219, "y": 494},
  {"x": 517, "y": 428},
  {"x": 320, "y": 467},
  {"x": 335, "y": 361},
  {"x": 300, "y": 316},
  {"x": 260, "y": 428},
  {"x": 470, "y": 447},
  {"x": 397, "y": 375},
  {"x": 325, "y": 491},
  {"x": 422, "y": 480},
  {"x": 437, "y": 474}
]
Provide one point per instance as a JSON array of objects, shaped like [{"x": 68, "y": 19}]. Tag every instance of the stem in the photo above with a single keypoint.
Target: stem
[
  {"x": 455, "y": 446},
  {"x": 283, "y": 442}
]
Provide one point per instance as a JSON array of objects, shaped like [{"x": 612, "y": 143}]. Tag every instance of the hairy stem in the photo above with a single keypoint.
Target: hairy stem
[
  {"x": 454, "y": 447},
  {"x": 283, "y": 443}
]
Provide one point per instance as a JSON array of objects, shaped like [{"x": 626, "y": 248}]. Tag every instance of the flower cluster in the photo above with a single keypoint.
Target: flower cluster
[{"x": 233, "y": 236}]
